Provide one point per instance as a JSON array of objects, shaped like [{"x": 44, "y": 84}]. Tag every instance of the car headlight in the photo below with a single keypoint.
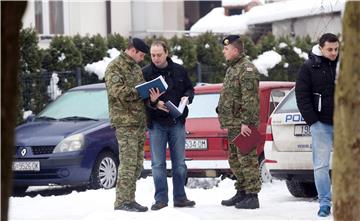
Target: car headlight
[{"x": 72, "y": 143}]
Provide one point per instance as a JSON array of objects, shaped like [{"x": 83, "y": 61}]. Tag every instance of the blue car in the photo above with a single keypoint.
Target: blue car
[{"x": 69, "y": 143}]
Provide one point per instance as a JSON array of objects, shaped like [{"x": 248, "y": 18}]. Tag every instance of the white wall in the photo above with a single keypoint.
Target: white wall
[
  {"x": 314, "y": 26},
  {"x": 85, "y": 17},
  {"x": 136, "y": 18},
  {"x": 121, "y": 19},
  {"x": 157, "y": 17},
  {"x": 28, "y": 18}
]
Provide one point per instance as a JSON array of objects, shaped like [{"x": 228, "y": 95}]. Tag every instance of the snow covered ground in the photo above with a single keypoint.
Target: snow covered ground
[{"x": 276, "y": 203}]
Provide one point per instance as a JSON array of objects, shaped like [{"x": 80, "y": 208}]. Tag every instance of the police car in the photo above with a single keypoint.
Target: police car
[{"x": 288, "y": 150}]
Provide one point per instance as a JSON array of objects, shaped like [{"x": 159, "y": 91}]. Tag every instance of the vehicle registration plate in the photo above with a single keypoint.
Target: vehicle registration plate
[
  {"x": 302, "y": 130},
  {"x": 26, "y": 166},
  {"x": 196, "y": 144}
]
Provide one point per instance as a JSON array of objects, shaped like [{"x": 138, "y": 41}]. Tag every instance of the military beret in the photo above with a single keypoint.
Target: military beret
[
  {"x": 140, "y": 45},
  {"x": 230, "y": 39}
]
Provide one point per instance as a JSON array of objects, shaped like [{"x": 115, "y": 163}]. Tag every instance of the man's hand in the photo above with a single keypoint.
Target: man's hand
[
  {"x": 161, "y": 106},
  {"x": 245, "y": 130},
  {"x": 155, "y": 94},
  {"x": 185, "y": 99}
]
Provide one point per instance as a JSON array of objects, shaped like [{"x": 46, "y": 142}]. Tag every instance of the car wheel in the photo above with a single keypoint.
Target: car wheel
[
  {"x": 301, "y": 189},
  {"x": 265, "y": 175},
  {"x": 105, "y": 171}
]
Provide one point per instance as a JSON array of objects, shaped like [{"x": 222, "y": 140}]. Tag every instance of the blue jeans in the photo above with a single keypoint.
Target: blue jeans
[
  {"x": 322, "y": 143},
  {"x": 159, "y": 137}
]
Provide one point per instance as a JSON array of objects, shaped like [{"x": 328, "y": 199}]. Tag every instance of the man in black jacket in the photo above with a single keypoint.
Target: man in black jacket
[
  {"x": 163, "y": 128},
  {"x": 315, "y": 99}
]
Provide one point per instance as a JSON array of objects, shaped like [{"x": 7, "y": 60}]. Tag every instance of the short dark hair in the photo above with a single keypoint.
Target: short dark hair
[
  {"x": 238, "y": 44},
  {"x": 162, "y": 44},
  {"x": 131, "y": 45},
  {"x": 327, "y": 37}
]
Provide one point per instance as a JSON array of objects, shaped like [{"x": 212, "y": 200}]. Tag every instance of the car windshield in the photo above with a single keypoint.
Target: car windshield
[
  {"x": 78, "y": 105},
  {"x": 288, "y": 105},
  {"x": 203, "y": 106}
]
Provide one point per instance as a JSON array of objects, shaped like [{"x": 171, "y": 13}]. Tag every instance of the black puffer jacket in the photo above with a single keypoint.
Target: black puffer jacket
[
  {"x": 179, "y": 85},
  {"x": 316, "y": 76}
]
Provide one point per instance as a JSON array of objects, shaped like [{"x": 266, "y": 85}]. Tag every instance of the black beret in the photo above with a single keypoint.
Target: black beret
[
  {"x": 230, "y": 39},
  {"x": 140, "y": 45}
]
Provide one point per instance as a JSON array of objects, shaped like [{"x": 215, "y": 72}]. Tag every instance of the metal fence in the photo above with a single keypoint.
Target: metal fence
[{"x": 39, "y": 89}]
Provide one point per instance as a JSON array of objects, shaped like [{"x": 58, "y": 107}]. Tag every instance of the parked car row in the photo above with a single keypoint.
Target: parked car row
[{"x": 71, "y": 142}]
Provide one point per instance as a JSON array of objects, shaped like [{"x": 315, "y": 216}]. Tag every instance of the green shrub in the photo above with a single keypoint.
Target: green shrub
[
  {"x": 184, "y": 48},
  {"x": 64, "y": 55},
  {"x": 92, "y": 49},
  {"x": 31, "y": 90},
  {"x": 266, "y": 43},
  {"x": 209, "y": 55},
  {"x": 116, "y": 41}
]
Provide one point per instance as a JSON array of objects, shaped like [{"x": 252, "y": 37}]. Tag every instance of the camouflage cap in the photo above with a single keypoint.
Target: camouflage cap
[
  {"x": 140, "y": 45},
  {"x": 230, "y": 39}
]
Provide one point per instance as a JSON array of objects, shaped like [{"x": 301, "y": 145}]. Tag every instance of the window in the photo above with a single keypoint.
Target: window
[
  {"x": 49, "y": 17},
  {"x": 81, "y": 103},
  {"x": 56, "y": 16},
  {"x": 288, "y": 105},
  {"x": 38, "y": 17},
  {"x": 203, "y": 106},
  {"x": 275, "y": 97}
]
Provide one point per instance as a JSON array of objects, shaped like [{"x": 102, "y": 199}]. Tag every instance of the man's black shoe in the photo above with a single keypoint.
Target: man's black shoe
[
  {"x": 158, "y": 205},
  {"x": 184, "y": 203},
  {"x": 235, "y": 199},
  {"x": 131, "y": 207},
  {"x": 250, "y": 201}
]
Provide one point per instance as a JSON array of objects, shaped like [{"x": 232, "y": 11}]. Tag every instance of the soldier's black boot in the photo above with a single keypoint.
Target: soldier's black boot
[
  {"x": 233, "y": 200},
  {"x": 250, "y": 201},
  {"x": 132, "y": 207}
]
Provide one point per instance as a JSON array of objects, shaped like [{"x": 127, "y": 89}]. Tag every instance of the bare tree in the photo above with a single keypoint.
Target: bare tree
[
  {"x": 11, "y": 14},
  {"x": 346, "y": 161}
]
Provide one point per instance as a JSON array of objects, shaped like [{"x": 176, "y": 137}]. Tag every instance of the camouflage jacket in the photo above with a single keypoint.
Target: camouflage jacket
[
  {"x": 126, "y": 108},
  {"x": 239, "y": 98}
]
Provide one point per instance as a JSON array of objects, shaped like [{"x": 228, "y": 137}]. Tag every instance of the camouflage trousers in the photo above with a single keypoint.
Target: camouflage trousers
[
  {"x": 131, "y": 154},
  {"x": 244, "y": 167}
]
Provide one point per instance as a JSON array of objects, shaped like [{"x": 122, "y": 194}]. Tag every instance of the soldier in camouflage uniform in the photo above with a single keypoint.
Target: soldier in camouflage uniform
[
  {"x": 239, "y": 107},
  {"x": 127, "y": 115}
]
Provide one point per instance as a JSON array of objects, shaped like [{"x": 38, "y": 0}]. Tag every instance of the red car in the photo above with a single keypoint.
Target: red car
[{"x": 206, "y": 142}]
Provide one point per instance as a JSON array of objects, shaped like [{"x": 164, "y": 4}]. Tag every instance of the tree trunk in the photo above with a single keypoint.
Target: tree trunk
[
  {"x": 346, "y": 158},
  {"x": 11, "y": 14}
]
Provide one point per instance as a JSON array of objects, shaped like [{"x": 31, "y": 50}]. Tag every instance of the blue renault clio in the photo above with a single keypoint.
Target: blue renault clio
[{"x": 69, "y": 143}]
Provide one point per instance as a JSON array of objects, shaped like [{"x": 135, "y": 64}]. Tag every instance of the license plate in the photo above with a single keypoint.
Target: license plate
[
  {"x": 302, "y": 130},
  {"x": 26, "y": 166},
  {"x": 196, "y": 144}
]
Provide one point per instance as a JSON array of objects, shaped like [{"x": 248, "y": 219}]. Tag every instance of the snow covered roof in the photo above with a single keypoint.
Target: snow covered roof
[
  {"x": 292, "y": 9},
  {"x": 234, "y": 2},
  {"x": 217, "y": 22}
]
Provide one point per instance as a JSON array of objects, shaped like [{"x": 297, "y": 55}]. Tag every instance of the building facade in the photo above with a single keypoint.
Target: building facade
[{"x": 128, "y": 18}]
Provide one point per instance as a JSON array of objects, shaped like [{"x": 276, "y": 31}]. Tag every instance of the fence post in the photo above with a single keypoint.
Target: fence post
[
  {"x": 198, "y": 71},
  {"x": 78, "y": 75}
]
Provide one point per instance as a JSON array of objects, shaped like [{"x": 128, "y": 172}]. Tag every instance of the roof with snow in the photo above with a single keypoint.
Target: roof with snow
[
  {"x": 235, "y": 2},
  {"x": 292, "y": 9},
  {"x": 216, "y": 22}
]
